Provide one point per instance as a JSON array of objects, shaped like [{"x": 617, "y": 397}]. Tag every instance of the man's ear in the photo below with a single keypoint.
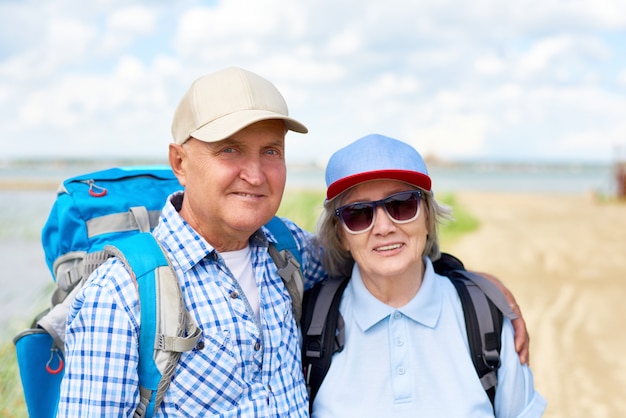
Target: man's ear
[{"x": 177, "y": 156}]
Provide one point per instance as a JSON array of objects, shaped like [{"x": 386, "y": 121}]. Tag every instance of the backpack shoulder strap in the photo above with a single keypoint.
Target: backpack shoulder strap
[
  {"x": 284, "y": 238},
  {"x": 483, "y": 318},
  {"x": 448, "y": 263},
  {"x": 322, "y": 331},
  {"x": 167, "y": 328},
  {"x": 288, "y": 259},
  {"x": 483, "y": 322}
]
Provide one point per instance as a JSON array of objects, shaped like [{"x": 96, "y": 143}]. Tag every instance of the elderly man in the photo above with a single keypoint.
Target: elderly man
[{"x": 229, "y": 154}]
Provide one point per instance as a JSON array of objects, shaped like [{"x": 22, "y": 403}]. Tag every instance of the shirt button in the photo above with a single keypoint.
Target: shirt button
[
  {"x": 399, "y": 342},
  {"x": 257, "y": 346},
  {"x": 200, "y": 345},
  {"x": 234, "y": 295},
  {"x": 401, "y": 370},
  {"x": 397, "y": 315}
]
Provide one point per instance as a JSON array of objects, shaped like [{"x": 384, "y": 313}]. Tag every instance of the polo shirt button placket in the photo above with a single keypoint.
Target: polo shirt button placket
[{"x": 399, "y": 358}]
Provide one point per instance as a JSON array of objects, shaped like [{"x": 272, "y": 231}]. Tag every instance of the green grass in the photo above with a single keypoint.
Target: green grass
[
  {"x": 303, "y": 207},
  {"x": 463, "y": 222},
  {"x": 11, "y": 396}
]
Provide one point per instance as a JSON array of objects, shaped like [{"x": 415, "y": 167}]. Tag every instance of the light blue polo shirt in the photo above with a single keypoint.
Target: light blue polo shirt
[{"x": 415, "y": 361}]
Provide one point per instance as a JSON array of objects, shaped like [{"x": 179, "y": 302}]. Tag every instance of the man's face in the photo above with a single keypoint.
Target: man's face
[{"x": 234, "y": 186}]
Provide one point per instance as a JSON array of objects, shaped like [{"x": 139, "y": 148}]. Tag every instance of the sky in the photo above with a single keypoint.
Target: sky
[{"x": 528, "y": 80}]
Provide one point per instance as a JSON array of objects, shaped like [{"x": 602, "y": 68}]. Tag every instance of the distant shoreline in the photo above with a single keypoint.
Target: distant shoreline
[
  {"x": 97, "y": 164},
  {"x": 545, "y": 177},
  {"x": 28, "y": 184}
]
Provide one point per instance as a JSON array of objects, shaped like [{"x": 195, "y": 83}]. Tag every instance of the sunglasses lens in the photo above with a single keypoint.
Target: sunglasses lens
[
  {"x": 357, "y": 217},
  {"x": 402, "y": 206}
]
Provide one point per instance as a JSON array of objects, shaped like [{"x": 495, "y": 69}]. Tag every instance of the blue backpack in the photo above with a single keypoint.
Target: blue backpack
[{"x": 111, "y": 213}]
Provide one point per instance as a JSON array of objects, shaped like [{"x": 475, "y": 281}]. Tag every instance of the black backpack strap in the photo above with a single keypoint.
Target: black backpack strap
[
  {"x": 322, "y": 331},
  {"x": 483, "y": 308},
  {"x": 448, "y": 263},
  {"x": 483, "y": 321}
]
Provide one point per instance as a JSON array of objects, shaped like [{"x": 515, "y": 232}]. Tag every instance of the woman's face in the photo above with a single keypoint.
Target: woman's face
[{"x": 388, "y": 250}]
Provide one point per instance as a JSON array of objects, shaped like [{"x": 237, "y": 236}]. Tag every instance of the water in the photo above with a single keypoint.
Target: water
[
  {"x": 560, "y": 179},
  {"x": 26, "y": 280},
  {"x": 533, "y": 179},
  {"x": 24, "y": 276}
]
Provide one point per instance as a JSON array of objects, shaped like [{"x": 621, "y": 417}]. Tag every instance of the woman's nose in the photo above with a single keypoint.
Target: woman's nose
[{"x": 382, "y": 222}]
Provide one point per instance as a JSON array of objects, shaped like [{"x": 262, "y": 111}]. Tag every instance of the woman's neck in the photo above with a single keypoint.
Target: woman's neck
[{"x": 395, "y": 290}]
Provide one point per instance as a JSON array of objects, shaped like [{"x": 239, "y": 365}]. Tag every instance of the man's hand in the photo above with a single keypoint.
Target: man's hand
[{"x": 522, "y": 339}]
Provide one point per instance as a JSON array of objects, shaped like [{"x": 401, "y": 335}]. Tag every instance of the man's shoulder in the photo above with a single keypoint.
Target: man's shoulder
[{"x": 112, "y": 278}]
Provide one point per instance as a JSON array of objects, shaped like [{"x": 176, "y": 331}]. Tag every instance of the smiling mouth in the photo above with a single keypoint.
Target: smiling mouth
[
  {"x": 388, "y": 247},
  {"x": 249, "y": 195}
]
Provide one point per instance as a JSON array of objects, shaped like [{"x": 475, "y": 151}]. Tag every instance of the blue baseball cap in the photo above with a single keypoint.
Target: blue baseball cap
[{"x": 375, "y": 157}]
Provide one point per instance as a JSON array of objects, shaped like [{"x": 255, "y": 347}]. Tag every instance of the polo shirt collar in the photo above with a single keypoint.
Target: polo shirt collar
[{"x": 424, "y": 308}]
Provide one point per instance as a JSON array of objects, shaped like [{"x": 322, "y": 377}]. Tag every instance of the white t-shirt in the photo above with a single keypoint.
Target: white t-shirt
[{"x": 240, "y": 265}]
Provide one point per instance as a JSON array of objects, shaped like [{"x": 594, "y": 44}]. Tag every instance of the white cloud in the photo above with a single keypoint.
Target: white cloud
[
  {"x": 344, "y": 43},
  {"x": 63, "y": 41},
  {"x": 124, "y": 25},
  {"x": 489, "y": 65},
  {"x": 605, "y": 14},
  {"x": 219, "y": 32},
  {"x": 452, "y": 135},
  {"x": 134, "y": 19},
  {"x": 621, "y": 78},
  {"x": 539, "y": 57},
  {"x": 536, "y": 79}
]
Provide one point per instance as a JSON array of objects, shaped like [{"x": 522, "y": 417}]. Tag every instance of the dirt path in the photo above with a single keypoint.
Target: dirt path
[{"x": 564, "y": 257}]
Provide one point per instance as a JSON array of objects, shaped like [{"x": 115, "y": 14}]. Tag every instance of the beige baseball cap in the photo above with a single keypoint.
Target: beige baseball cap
[{"x": 221, "y": 103}]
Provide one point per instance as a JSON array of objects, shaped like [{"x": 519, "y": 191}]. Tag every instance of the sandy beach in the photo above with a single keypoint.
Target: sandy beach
[{"x": 564, "y": 257}]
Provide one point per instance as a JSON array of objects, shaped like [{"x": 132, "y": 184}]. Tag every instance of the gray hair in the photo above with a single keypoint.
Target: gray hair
[{"x": 339, "y": 262}]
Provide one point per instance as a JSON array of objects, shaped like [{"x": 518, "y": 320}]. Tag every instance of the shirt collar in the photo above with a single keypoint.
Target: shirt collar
[
  {"x": 425, "y": 307},
  {"x": 185, "y": 244}
]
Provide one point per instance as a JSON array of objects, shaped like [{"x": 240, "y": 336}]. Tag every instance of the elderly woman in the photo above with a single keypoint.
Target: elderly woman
[{"x": 406, "y": 351}]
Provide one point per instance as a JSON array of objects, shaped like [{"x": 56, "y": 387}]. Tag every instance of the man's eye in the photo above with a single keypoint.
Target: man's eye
[{"x": 273, "y": 152}]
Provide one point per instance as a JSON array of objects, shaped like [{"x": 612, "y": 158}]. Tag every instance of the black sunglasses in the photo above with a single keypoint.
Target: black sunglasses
[{"x": 401, "y": 208}]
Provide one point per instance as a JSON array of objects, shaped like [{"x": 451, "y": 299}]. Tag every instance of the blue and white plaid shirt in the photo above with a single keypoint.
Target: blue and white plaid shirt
[{"x": 236, "y": 370}]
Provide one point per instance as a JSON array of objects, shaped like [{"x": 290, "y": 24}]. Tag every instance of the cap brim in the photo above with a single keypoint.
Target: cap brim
[
  {"x": 226, "y": 126},
  {"x": 413, "y": 178}
]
